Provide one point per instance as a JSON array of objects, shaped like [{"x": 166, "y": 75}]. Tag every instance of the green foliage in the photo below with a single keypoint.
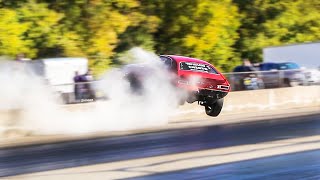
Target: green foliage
[
  {"x": 219, "y": 31},
  {"x": 11, "y": 33},
  {"x": 29, "y": 29},
  {"x": 205, "y": 29},
  {"x": 269, "y": 22},
  {"x": 214, "y": 32},
  {"x": 43, "y": 27},
  {"x": 95, "y": 28}
]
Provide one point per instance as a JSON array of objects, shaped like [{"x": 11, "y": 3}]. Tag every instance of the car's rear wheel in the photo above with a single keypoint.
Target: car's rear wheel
[
  {"x": 215, "y": 108},
  {"x": 136, "y": 86},
  {"x": 289, "y": 83},
  {"x": 285, "y": 83}
]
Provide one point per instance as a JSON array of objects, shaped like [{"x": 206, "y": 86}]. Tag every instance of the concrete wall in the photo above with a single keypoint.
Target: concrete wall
[
  {"x": 268, "y": 99},
  {"x": 261, "y": 100},
  {"x": 235, "y": 103}
]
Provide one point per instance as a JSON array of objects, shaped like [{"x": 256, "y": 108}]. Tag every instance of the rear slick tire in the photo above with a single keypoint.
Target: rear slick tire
[{"x": 214, "y": 109}]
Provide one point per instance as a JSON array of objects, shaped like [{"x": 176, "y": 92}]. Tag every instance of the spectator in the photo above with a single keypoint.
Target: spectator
[{"x": 246, "y": 62}]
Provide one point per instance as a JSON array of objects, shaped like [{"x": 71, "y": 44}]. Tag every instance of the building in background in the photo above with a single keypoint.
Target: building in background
[{"x": 305, "y": 54}]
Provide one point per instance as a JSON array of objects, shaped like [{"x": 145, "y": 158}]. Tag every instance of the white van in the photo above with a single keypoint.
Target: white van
[{"x": 59, "y": 72}]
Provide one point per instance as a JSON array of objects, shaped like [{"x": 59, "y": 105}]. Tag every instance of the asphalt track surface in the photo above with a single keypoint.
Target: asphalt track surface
[{"x": 303, "y": 165}]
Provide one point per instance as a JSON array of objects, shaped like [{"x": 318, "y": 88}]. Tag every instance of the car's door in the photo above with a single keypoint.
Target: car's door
[{"x": 270, "y": 74}]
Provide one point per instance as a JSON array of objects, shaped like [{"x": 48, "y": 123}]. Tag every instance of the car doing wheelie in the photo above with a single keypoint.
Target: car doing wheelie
[{"x": 197, "y": 79}]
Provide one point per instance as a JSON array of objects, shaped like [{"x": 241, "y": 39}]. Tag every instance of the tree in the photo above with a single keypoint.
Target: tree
[
  {"x": 43, "y": 29},
  {"x": 27, "y": 27},
  {"x": 206, "y": 29},
  {"x": 141, "y": 32},
  {"x": 94, "y": 27},
  {"x": 11, "y": 34},
  {"x": 268, "y": 23}
]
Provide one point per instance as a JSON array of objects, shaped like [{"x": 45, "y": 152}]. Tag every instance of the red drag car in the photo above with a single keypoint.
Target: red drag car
[{"x": 198, "y": 79}]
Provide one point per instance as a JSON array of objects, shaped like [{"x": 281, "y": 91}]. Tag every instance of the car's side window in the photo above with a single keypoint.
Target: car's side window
[
  {"x": 275, "y": 66},
  {"x": 212, "y": 70},
  {"x": 266, "y": 67},
  {"x": 169, "y": 63}
]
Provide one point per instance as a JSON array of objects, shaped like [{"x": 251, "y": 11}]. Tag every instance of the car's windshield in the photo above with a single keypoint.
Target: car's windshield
[
  {"x": 192, "y": 66},
  {"x": 284, "y": 66}
]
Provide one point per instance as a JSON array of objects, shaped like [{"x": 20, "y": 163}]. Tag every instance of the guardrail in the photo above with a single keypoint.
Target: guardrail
[
  {"x": 238, "y": 80},
  {"x": 266, "y": 79},
  {"x": 77, "y": 92}
]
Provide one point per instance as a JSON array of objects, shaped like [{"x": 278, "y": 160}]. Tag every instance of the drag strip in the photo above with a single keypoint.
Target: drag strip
[
  {"x": 30, "y": 159},
  {"x": 302, "y": 165}
]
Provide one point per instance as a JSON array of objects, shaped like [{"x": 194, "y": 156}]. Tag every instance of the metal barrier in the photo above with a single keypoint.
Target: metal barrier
[
  {"x": 77, "y": 92},
  {"x": 238, "y": 80},
  {"x": 266, "y": 79}
]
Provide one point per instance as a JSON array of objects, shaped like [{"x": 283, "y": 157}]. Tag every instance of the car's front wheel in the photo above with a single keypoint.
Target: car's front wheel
[{"x": 215, "y": 108}]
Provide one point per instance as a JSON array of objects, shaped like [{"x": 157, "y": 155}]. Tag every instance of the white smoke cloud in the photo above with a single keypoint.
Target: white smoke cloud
[{"x": 35, "y": 108}]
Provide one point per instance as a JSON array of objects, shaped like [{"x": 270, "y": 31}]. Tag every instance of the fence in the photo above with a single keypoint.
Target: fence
[
  {"x": 267, "y": 79},
  {"x": 238, "y": 80}
]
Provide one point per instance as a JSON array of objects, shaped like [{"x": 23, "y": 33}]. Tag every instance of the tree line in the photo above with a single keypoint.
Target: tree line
[{"x": 220, "y": 31}]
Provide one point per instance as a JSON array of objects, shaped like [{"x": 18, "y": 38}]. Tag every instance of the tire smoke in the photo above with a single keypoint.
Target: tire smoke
[{"x": 32, "y": 105}]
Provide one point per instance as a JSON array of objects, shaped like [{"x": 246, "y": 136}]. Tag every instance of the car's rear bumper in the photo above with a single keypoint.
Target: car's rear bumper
[
  {"x": 212, "y": 93},
  {"x": 193, "y": 88}
]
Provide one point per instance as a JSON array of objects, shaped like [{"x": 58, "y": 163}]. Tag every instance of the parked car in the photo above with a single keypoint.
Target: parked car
[
  {"x": 285, "y": 74},
  {"x": 209, "y": 88},
  {"x": 245, "y": 78},
  {"x": 312, "y": 76}
]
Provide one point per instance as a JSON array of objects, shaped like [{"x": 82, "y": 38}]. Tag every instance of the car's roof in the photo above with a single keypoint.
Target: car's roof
[
  {"x": 265, "y": 63},
  {"x": 186, "y": 59},
  {"x": 288, "y": 63},
  {"x": 242, "y": 66},
  {"x": 268, "y": 63}
]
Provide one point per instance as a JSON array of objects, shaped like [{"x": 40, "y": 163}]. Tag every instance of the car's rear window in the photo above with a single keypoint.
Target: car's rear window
[
  {"x": 167, "y": 61},
  {"x": 269, "y": 66},
  {"x": 192, "y": 66}
]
